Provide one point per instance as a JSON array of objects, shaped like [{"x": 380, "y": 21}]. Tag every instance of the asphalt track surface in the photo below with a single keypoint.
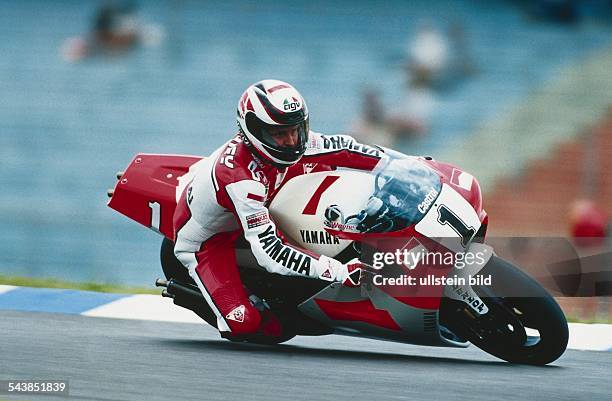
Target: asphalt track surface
[{"x": 114, "y": 359}]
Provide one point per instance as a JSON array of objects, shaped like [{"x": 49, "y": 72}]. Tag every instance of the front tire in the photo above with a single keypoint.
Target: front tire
[{"x": 524, "y": 323}]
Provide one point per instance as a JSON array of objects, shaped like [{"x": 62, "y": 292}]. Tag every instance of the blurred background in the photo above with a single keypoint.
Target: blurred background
[{"x": 516, "y": 92}]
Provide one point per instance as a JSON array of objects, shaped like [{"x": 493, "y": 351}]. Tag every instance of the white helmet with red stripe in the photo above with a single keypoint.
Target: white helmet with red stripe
[{"x": 266, "y": 108}]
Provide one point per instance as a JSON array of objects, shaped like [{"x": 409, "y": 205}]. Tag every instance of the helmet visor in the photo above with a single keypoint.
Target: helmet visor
[
  {"x": 285, "y": 138},
  {"x": 285, "y": 142}
]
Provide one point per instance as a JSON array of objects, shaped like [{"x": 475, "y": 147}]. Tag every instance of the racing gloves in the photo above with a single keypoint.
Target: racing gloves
[{"x": 349, "y": 274}]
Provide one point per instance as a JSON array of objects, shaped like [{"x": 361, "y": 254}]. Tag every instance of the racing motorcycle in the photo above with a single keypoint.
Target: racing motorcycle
[{"x": 392, "y": 218}]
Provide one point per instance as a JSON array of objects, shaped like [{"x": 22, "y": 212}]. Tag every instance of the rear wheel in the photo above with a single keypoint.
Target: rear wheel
[
  {"x": 172, "y": 267},
  {"x": 186, "y": 294},
  {"x": 524, "y": 323}
]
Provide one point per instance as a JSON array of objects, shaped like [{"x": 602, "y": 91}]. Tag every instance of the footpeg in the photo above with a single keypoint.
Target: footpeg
[{"x": 160, "y": 282}]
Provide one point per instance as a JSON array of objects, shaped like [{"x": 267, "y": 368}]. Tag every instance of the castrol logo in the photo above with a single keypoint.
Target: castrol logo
[{"x": 429, "y": 198}]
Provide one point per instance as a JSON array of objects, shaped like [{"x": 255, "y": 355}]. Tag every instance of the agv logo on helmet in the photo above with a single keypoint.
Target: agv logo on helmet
[{"x": 291, "y": 106}]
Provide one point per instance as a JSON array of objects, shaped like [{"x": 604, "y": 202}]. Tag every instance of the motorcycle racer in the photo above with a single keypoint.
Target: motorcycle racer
[{"x": 228, "y": 198}]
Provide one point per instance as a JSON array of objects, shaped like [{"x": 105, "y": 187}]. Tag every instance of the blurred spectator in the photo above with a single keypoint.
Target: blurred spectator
[
  {"x": 435, "y": 61},
  {"x": 439, "y": 61},
  {"x": 115, "y": 26},
  {"x": 370, "y": 127},
  {"x": 427, "y": 55},
  {"x": 567, "y": 12},
  {"x": 372, "y": 108},
  {"x": 115, "y": 29},
  {"x": 560, "y": 11},
  {"x": 461, "y": 64},
  {"x": 376, "y": 127},
  {"x": 589, "y": 224},
  {"x": 590, "y": 229},
  {"x": 414, "y": 115}
]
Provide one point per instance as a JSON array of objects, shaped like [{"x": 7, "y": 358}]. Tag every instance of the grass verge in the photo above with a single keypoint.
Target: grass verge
[
  {"x": 85, "y": 286},
  {"x": 591, "y": 320}
]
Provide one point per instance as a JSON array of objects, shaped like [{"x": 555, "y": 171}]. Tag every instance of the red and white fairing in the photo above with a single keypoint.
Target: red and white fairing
[
  {"x": 299, "y": 208},
  {"x": 403, "y": 314},
  {"x": 148, "y": 191}
]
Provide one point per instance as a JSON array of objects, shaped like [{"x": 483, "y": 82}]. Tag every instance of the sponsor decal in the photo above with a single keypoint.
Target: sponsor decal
[
  {"x": 429, "y": 198},
  {"x": 190, "y": 195},
  {"x": 291, "y": 105},
  {"x": 326, "y": 275},
  {"x": 227, "y": 158},
  {"x": 474, "y": 303},
  {"x": 334, "y": 225},
  {"x": 318, "y": 237},
  {"x": 308, "y": 167},
  {"x": 256, "y": 173},
  {"x": 286, "y": 256},
  {"x": 343, "y": 143},
  {"x": 258, "y": 219},
  {"x": 334, "y": 213},
  {"x": 313, "y": 143},
  {"x": 237, "y": 314},
  {"x": 462, "y": 179}
]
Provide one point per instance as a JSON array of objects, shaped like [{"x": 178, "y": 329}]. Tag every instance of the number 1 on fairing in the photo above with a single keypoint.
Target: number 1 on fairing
[
  {"x": 446, "y": 216},
  {"x": 155, "y": 215},
  {"x": 311, "y": 206}
]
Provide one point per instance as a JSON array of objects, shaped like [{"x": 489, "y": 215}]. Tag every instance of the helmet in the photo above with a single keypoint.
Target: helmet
[{"x": 264, "y": 109}]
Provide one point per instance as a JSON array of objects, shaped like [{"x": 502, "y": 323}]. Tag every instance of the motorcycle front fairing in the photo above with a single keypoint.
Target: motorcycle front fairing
[{"x": 381, "y": 210}]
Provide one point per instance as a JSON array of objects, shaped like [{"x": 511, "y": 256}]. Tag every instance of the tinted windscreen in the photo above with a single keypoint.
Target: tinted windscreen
[{"x": 404, "y": 190}]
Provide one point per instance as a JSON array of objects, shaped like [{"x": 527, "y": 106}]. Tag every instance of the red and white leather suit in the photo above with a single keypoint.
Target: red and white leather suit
[{"x": 227, "y": 198}]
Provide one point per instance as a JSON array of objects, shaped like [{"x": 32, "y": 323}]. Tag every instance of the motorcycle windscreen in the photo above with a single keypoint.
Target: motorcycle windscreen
[{"x": 404, "y": 191}]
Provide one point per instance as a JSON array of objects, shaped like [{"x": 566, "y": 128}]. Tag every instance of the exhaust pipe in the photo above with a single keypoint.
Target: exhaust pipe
[{"x": 189, "y": 297}]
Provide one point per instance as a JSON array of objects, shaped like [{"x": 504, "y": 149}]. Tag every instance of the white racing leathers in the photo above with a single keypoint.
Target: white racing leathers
[{"x": 226, "y": 196}]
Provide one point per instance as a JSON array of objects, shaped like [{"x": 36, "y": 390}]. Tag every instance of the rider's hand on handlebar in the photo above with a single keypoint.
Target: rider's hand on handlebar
[
  {"x": 352, "y": 273},
  {"x": 348, "y": 274}
]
